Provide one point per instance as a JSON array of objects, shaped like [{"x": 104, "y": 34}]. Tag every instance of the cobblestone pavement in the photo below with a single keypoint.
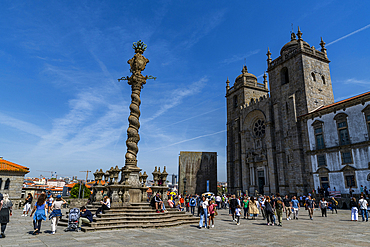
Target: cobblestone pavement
[{"x": 335, "y": 230}]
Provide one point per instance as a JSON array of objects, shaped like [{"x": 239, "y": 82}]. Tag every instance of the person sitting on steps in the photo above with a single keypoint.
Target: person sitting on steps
[
  {"x": 105, "y": 205},
  {"x": 158, "y": 203},
  {"x": 85, "y": 217}
]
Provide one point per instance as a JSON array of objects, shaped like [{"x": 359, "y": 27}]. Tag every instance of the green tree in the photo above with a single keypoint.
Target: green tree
[{"x": 76, "y": 188}]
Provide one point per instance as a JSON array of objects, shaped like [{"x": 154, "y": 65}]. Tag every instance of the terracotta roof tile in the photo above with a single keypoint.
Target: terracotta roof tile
[{"x": 12, "y": 167}]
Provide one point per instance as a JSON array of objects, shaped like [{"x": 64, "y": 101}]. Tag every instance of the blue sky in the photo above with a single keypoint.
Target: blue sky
[{"x": 63, "y": 110}]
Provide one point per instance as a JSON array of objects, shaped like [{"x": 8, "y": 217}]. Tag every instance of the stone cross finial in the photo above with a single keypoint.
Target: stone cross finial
[
  {"x": 269, "y": 60},
  {"x": 265, "y": 79},
  {"x": 244, "y": 70},
  {"x": 323, "y": 49},
  {"x": 322, "y": 44},
  {"x": 299, "y": 34},
  {"x": 292, "y": 36}
]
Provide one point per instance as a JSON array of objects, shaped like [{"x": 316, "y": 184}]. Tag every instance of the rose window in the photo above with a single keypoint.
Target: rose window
[{"x": 259, "y": 128}]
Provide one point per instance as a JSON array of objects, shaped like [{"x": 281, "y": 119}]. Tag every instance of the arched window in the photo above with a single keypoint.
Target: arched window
[
  {"x": 284, "y": 76},
  {"x": 323, "y": 79},
  {"x": 313, "y": 76},
  {"x": 7, "y": 184}
]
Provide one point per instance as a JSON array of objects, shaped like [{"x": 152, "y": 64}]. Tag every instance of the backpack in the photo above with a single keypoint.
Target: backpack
[
  {"x": 279, "y": 203},
  {"x": 192, "y": 201}
]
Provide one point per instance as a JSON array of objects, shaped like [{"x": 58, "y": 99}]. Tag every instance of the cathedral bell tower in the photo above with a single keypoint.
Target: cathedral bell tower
[
  {"x": 245, "y": 88},
  {"x": 299, "y": 83},
  {"x": 300, "y": 76}
]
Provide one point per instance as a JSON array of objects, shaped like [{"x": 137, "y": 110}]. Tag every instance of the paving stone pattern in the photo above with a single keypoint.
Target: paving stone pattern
[{"x": 335, "y": 230}]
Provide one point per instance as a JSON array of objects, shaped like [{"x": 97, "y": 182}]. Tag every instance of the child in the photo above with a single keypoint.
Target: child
[
  {"x": 50, "y": 202},
  {"x": 211, "y": 209},
  {"x": 237, "y": 214}
]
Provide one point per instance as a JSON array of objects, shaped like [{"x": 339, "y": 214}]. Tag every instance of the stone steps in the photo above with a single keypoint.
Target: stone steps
[
  {"x": 135, "y": 215},
  {"x": 156, "y": 225},
  {"x": 113, "y": 218}
]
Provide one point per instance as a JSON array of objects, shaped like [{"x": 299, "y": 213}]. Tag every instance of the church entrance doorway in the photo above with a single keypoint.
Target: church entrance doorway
[{"x": 261, "y": 182}]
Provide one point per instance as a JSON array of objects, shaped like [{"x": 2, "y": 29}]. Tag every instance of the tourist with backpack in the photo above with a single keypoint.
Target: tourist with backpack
[
  {"x": 269, "y": 212},
  {"x": 310, "y": 204},
  {"x": 334, "y": 205},
  {"x": 187, "y": 200},
  {"x": 192, "y": 204},
  {"x": 279, "y": 207}
]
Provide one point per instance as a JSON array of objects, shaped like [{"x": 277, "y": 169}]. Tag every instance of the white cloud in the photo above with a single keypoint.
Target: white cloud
[
  {"x": 350, "y": 34},
  {"x": 176, "y": 97},
  {"x": 190, "y": 139},
  {"x": 240, "y": 57},
  {"x": 22, "y": 125}
]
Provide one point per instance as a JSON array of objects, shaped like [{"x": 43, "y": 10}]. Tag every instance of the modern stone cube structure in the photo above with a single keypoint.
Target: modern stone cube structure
[{"x": 199, "y": 168}]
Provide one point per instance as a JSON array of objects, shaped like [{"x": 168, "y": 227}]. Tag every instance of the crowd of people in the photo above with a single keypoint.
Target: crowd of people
[{"x": 271, "y": 208}]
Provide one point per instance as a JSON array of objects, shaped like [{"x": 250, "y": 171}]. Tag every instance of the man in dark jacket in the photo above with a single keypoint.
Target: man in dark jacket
[
  {"x": 233, "y": 203},
  {"x": 85, "y": 216}
]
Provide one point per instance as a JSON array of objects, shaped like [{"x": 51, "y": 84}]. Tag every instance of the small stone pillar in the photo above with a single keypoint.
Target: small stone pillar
[
  {"x": 144, "y": 189},
  {"x": 164, "y": 176},
  {"x": 155, "y": 176}
]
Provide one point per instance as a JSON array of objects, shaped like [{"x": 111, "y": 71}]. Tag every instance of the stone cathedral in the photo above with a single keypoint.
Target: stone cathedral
[{"x": 265, "y": 137}]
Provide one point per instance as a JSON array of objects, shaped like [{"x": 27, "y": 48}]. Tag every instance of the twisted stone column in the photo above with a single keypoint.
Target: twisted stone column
[{"x": 136, "y": 80}]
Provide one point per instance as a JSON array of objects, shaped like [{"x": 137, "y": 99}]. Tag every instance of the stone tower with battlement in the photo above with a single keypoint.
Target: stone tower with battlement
[{"x": 265, "y": 137}]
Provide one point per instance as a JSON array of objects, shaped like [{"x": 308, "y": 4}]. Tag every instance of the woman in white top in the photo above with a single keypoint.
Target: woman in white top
[
  {"x": 323, "y": 205},
  {"x": 105, "y": 205},
  {"x": 56, "y": 212}
]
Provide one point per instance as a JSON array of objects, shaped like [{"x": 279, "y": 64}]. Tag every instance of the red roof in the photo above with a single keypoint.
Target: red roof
[
  {"x": 12, "y": 167},
  {"x": 73, "y": 184}
]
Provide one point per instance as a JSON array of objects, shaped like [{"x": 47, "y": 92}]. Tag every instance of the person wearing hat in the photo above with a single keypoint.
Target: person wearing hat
[
  {"x": 56, "y": 212},
  {"x": 5, "y": 212}
]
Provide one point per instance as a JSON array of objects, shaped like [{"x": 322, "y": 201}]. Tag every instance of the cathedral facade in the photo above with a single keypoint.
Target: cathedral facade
[{"x": 267, "y": 141}]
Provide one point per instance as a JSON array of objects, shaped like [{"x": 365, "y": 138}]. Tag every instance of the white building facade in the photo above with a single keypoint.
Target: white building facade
[{"x": 339, "y": 146}]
